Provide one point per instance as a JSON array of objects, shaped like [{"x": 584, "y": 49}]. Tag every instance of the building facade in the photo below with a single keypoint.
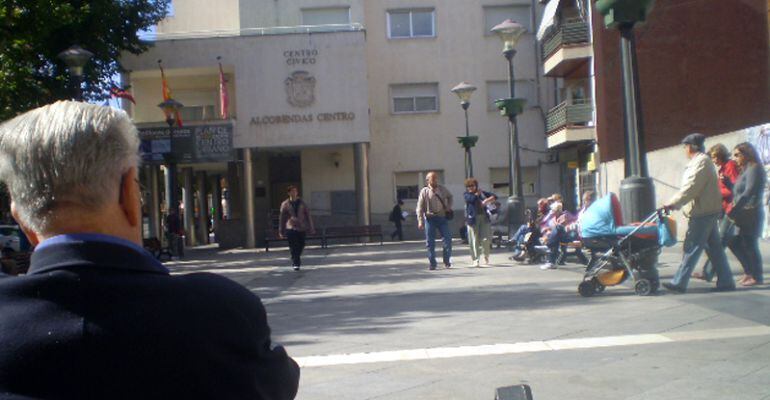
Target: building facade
[
  {"x": 702, "y": 67},
  {"x": 349, "y": 100}
]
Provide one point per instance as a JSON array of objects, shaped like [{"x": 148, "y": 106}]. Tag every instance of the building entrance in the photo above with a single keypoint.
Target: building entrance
[{"x": 285, "y": 170}]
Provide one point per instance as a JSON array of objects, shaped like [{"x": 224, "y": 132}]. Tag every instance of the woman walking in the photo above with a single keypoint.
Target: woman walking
[
  {"x": 294, "y": 223},
  {"x": 747, "y": 213},
  {"x": 728, "y": 173},
  {"x": 477, "y": 220}
]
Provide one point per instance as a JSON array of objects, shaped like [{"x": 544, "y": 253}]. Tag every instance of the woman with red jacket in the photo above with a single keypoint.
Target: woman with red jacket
[{"x": 728, "y": 174}]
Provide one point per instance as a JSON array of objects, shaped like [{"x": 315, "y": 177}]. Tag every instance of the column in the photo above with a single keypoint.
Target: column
[
  {"x": 248, "y": 198},
  {"x": 189, "y": 207},
  {"x": 361, "y": 165},
  {"x": 203, "y": 208},
  {"x": 154, "y": 201}
]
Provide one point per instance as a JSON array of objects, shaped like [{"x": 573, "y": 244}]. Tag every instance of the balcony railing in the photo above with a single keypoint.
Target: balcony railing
[
  {"x": 274, "y": 30},
  {"x": 576, "y": 113},
  {"x": 570, "y": 32}
]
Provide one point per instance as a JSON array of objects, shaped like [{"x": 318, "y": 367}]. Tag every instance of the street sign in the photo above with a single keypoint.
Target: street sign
[{"x": 191, "y": 144}]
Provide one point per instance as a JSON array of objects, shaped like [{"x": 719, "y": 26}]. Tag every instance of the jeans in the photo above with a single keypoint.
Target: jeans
[
  {"x": 726, "y": 232},
  {"x": 479, "y": 238},
  {"x": 296, "y": 245},
  {"x": 703, "y": 234},
  {"x": 518, "y": 237},
  {"x": 746, "y": 250},
  {"x": 557, "y": 253},
  {"x": 431, "y": 225},
  {"x": 398, "y": 232}
]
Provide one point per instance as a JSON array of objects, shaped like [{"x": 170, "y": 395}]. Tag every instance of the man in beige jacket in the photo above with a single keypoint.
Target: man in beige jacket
[
  {"x": 433, "y": 205},
  {"x": 701, "y": 201}
]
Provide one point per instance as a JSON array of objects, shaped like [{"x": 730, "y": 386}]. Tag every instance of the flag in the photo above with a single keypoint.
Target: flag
[
  {"x": 167, "y": 93},
  {"x": 119, "y": 93},
  {"x": 223, "y": 99}
]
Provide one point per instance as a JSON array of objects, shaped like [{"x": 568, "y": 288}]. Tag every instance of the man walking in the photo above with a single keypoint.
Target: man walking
[
  {"x": 434, "y": 211},
  {"x": 700, "y": 197},
  {"x": 96, "y": 316}
]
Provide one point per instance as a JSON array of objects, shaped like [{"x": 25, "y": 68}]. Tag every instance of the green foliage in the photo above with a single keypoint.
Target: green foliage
[
  {"x": 467, "y": 141},
  {"x": 34, "y": 32}
]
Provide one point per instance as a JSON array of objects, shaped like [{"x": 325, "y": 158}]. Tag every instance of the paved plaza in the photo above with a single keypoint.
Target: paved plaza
[{"x": 371, "y": 322}]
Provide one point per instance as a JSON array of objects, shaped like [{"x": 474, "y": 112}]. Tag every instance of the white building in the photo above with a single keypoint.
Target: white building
[{"x": 350, "y": 100}]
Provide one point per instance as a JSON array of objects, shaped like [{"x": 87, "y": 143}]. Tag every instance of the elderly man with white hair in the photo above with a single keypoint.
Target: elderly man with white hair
[{"x": 97, "y": 316}]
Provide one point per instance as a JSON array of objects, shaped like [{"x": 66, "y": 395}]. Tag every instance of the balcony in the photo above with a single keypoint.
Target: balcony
[
  {"x": 569, "y": 123},
  {"x": 567, "y": 50}
]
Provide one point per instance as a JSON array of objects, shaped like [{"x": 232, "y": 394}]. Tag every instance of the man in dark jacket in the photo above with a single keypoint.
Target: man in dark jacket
[{"x": 97, "y": 317}]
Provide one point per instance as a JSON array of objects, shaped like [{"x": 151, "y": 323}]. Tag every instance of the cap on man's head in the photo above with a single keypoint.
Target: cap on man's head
[{"x": 695, "y": 139}]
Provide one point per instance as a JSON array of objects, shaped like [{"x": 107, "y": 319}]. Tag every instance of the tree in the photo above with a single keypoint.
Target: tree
[{"x": 34, "y": 32}]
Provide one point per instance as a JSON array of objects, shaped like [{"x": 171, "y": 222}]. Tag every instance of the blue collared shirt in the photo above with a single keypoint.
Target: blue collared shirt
[{"x": 98, "y": 237}]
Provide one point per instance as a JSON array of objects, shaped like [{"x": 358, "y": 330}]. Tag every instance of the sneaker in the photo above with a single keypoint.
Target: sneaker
[
  {"x": 673, "y": 288},
  {"x": 476, "y": 263},
  {"x": 296, "y": 267},
  {"x": 547, "y": 266},
  {"x": 432, "y": 267},
  {"x": 447, "y": 265}
]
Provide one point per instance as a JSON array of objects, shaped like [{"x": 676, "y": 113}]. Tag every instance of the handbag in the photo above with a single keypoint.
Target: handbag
[{"x": 745, "y": 216}]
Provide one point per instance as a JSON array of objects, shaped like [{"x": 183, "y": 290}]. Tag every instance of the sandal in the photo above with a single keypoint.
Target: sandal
[{"x": 749, "y": 282}]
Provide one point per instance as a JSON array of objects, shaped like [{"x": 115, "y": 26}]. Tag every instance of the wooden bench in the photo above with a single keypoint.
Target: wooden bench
[
  {"x": 271, "y": 235},
  {"x": 344, "y": 232}
]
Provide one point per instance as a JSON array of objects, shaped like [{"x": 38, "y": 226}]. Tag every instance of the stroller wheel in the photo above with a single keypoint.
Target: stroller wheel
[
  {"x": 598, "y": 287},
  {"x": 643, "y": 287},
  {"x": 587, "y": 288}
]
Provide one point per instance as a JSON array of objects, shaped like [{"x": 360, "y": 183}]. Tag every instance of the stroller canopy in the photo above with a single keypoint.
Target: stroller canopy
[{"x": 602, "y": 218}]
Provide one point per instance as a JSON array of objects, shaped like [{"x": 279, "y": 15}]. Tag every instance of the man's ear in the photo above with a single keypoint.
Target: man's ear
[
  {"x": 31, "y": 235},
  {"x": 130, "y": 194}
]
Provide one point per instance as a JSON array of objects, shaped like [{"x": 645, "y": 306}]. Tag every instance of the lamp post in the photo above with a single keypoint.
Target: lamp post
[
  {"x": 464, "y": 91},
  {"x": 637, "y": 192},
  {"x": 510, "y": 32},
  {"x": 76, "y": 58},
  {"x": 170, "y": 107}
]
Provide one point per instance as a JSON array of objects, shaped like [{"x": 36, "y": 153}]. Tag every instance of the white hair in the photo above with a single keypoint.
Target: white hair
[{"x": 66, "y": 152}]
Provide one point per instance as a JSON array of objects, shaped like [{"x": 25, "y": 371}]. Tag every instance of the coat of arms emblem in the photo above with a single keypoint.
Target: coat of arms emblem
[{"x": 300, "y": 89}]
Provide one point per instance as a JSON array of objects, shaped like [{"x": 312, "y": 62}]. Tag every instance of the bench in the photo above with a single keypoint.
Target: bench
[
  {"x": 271, "y": 235},
  {"x": 572, "y": 248},
  {"x": 343, "y": 232}
]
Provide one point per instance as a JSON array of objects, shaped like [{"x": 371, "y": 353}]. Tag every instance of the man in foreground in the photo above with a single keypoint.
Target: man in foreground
[
  {"x": 700, "y": 197},
  {"x": 97, "y": 317}
]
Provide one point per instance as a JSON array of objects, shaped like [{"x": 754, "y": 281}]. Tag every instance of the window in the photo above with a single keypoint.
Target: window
[
  {"x": 408, "y": 184},
  {"x": 326, "y": 16},
  {"x": 414, "y": 98},
  {"x": 411, "y": 23},
  {"x": 500, "y": 90},
  {"x": 197, "y": 113},
  {"x": 499, "y": 178},
  {"x": 497, "y": 14}
]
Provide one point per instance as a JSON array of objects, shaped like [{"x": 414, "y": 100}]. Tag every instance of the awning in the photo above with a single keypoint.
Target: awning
[{"x": 549, "y": 18}]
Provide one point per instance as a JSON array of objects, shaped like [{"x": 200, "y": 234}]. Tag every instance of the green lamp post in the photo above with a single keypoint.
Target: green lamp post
[
  {"x": 510, "y": 32},
  {"x": 464, "y": 91},
  {"x": 637, "y": 191}
]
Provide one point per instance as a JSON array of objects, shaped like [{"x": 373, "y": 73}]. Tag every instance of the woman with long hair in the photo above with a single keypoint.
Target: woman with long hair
[{"x": 747, "y": 212}]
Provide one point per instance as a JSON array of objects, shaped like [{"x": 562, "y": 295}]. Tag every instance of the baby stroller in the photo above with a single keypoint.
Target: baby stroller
[{"x": 620, "y": 252}]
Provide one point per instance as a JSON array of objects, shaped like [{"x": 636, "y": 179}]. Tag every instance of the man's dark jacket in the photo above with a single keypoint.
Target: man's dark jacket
[{"x": 100, "y": 319}]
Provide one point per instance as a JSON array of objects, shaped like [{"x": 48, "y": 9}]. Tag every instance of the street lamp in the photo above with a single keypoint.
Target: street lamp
[
  {"x": 464, "y": 91},
  {"x": 76, "y": 58},
  {"x": 171, "y": 107},
  {"x": 510, "y": 32},
  {"x": 637, "y": 192}
]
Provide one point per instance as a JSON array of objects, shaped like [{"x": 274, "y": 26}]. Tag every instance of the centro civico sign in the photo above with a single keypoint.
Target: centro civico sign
[{"x": 302, "y": 118}]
